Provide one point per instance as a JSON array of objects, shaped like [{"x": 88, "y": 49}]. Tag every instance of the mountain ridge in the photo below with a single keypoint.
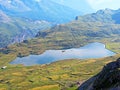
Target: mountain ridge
[
  {"x": 94, "y": 25},
  {"x": 43, "y": 10},
  {"x": 106, "y": 16}
]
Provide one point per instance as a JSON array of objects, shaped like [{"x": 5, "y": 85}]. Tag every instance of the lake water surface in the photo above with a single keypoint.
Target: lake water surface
[{"x": 92, "y": 50}]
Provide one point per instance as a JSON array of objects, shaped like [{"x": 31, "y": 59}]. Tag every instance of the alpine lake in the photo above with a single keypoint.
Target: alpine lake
[{"x": 92, "y": 50}]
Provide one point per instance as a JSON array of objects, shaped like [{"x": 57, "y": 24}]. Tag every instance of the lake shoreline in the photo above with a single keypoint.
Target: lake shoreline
[{"x": 89, "y": 51}]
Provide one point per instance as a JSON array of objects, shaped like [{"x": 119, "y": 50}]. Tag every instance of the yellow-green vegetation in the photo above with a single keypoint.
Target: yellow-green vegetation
[
  {"x": 55, "y": 76},
  {"x": 62, "y": 74},
  {"x": 6, "y": 58},
  {"x": 47, "y": 87},
  {"x": 58, "y": 75},
  {"x": 39, "y": 45},
  {"x": 115, "y": 46}
]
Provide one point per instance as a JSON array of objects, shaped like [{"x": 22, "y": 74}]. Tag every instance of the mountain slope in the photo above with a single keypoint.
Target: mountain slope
[
  {"x": 17, "y": 29},
  {"x": 106, "y": 16},
  {"x": 38, "y": 10},
  {"x": 95, "y": 22},
  {"x": 74, "y": 34},
  {"x": 88, "y": 28},
  {"x": 107, "y": 79},
  {"x": 22, "y": 19}
]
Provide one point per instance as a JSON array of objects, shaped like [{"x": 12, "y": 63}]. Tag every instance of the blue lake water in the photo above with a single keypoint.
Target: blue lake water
[{"x": 92, "y": 50}]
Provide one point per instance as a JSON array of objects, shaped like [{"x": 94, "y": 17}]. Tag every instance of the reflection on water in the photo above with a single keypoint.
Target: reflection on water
[{"x": 93, "y": 50}]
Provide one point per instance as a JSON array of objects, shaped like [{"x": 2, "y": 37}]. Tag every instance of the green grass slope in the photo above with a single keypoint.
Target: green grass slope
[
  {"x": 55, "y": 76},
  {"x": 18, "y": 29}
]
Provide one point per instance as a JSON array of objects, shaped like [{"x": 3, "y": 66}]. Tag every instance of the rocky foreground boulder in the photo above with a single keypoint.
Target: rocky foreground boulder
[{"x": 107, "y": 79}]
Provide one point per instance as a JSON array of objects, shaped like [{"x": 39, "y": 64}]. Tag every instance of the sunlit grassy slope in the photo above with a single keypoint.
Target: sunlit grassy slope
[
  {"x": 62, "y": 74},
  {"x": 55, "y": 76}
]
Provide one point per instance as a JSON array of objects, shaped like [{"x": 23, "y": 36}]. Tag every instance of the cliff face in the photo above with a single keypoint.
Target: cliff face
[{"x": 107, "y": 79}]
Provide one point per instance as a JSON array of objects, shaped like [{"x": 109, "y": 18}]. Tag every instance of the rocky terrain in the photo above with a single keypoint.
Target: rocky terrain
[{"x": 107, "y": 79}]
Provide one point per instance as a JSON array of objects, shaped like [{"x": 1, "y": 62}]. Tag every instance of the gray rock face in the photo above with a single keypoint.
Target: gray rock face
[{"x": 107, "y": 79}]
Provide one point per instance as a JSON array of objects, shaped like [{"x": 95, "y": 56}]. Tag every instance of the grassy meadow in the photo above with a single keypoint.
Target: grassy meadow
[
  {"x": 60, "y": 75},
  {"x": 55, "y": 76}
]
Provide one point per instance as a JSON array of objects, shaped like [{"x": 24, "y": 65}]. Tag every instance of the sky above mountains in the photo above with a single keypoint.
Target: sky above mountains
[
  {"x": 102, "y": 4},
  {"x": 86, "y": 5},
  {"x": 81, "y": 5}
]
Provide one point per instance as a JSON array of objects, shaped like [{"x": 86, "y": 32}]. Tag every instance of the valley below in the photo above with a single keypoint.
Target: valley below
[
  {"x": 63, "y": 74},
  {"x": 42, "y": 49}
]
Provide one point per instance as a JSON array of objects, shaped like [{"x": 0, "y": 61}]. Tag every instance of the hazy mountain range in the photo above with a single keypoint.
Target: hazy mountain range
[
  {"x": 16, "y": 29},
  {"x": 99, "y": 25},
  {"x": 22, "y": 19},
  {"x": 39, "y": 10},
  {"x": 106, "y": 16}
]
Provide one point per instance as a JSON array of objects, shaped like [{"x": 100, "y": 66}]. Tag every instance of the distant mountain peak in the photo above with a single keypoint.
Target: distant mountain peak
[
  {"x": 105, "y": 16},
  {"x": 105, "y": 11},
  {"x": 13, "y": 5}
]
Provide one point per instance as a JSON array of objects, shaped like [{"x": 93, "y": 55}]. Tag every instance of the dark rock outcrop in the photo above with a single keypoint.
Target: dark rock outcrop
[{"x": 107, "y": 79}]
